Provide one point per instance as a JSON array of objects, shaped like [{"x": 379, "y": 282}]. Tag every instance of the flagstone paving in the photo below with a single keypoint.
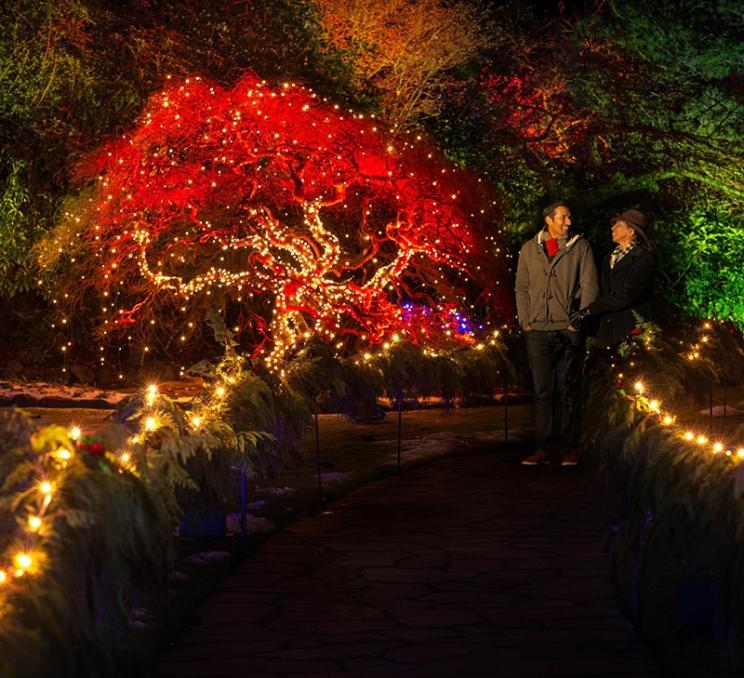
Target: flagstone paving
[{"x": 472, "y": 565}]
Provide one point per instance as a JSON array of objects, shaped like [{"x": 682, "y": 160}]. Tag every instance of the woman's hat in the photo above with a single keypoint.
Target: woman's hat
[{"x": 635, "y": 219}]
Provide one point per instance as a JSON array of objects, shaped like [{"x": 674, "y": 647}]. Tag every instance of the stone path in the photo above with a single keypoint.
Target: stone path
[{"x": 471, "y": 566}]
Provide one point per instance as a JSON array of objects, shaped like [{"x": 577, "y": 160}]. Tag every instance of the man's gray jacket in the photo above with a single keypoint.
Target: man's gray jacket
[{"x": 548, "y": 290}]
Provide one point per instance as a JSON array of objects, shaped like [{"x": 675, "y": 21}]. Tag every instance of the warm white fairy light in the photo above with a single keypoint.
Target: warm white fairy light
[{"x": 24, "y": 561}]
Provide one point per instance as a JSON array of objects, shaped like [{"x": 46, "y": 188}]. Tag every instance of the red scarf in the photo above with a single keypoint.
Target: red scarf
[{"x": 551, "y": 246}]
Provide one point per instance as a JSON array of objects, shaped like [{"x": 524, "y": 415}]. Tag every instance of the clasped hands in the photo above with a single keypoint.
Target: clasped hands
[{"x": 578, "y": 317}]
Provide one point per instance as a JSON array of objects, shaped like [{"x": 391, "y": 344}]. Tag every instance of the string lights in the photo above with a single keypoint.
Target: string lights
[
  {"x": 53, "y": 464},
  {"x": 36, "y": 509},
  {"x": 57, "y": 451}
]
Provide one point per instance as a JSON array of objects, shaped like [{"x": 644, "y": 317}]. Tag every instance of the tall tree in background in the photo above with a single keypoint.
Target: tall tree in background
[
  {"x": 633, "y": 95},
  {"x": 405, "y": 49}
]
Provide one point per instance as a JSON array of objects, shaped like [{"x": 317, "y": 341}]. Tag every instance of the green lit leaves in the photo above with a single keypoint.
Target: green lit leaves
[{"x": 701, "y": 257}]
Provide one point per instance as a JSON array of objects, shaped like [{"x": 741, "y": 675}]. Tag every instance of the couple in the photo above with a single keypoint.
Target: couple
[{"x": 557, "y": 291}]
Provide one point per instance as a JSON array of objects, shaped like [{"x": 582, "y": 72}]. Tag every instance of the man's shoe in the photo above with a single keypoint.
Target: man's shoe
[
  {"x": 569, "y": 459},
  {"x": 537, "y": 458}
]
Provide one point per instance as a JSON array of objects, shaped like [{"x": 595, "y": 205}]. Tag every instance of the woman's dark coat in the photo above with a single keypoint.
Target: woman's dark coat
[{"x": 626, "y": 288}]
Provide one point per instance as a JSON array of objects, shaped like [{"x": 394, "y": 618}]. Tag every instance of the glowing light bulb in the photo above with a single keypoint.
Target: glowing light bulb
[
  {"x": 638, "y": 386},
  {"x": 667, "y": 420},
  {"x": 152, "y": 394},
  {"x": 654, "y": 406},
  {"x": 740, "y": 453},
  {"x": 64, "y": 453},
  {"x": 125, "y": 457},
  {"x": 34, "y": 522},
  {"x": 23, "y": 561},
  {"x": 196, "y": 421},
  {"x": 220, "y": 391},
  {"x": 75, "y": 433},
  {"x": 701, "y": 440},
  {"x": 718, "y": 447},
  {"x": 3, "y": 577},
  {"x": 151, "y": 424},
  {"x": 45, "y": 488},
  {"x": 689, "y": 435}
]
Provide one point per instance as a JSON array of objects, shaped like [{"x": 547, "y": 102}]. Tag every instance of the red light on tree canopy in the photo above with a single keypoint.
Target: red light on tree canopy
[{"x": 312, "y": 218}]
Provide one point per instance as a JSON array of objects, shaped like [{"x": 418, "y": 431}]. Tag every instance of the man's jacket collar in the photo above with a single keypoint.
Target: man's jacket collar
[{"x": 543, "y": 235}]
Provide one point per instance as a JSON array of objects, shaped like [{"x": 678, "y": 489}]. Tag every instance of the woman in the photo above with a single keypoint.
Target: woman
[{"x": 626, "y": 281}]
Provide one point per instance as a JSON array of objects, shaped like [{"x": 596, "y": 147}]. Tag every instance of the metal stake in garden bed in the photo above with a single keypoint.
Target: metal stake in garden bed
[
  {"x": 243, "y": 502},
  {"x": 710, "y": 402},
  {"x": 505, "y": 398},
  {"x": 317, "y": 456},
  {"x": 400, "y": 409}
]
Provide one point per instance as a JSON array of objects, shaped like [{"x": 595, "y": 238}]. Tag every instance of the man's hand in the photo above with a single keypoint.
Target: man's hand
[{"x": 577, "y": 317}]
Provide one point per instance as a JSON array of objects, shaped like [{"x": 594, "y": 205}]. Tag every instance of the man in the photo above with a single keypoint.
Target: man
[
  {"x": 627, "y": 285},
  {"x": 556, "y": 276}
]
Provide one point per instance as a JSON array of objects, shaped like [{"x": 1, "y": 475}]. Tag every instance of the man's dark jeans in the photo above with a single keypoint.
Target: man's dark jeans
[{"x": 555, "y": 356}]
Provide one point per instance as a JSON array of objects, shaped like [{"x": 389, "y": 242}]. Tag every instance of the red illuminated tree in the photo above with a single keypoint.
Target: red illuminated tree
[
  {"x": 539, "y": 111},
  {"x": 307, "y": 219}
]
